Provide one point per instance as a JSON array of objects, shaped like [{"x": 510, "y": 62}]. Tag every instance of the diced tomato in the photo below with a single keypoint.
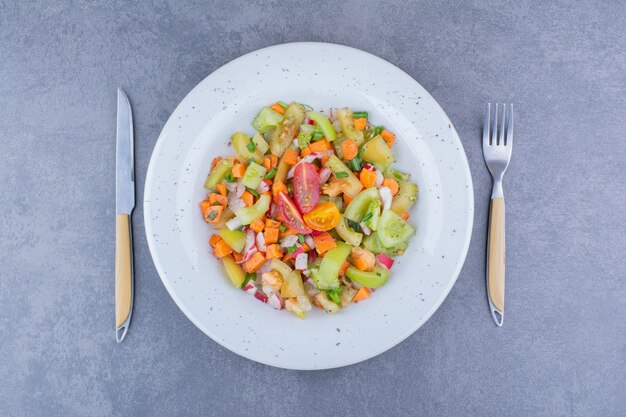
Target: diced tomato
[
  {"x": 290, "y": 214},
  {"x": 306, "y": 187}
]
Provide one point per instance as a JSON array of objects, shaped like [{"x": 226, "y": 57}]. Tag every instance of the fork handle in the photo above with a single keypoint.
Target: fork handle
[{"x": 495, "y": 259}]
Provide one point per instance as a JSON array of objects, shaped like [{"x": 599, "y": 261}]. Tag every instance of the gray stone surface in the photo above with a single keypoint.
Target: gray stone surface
[{"x": 562, "y": 351}]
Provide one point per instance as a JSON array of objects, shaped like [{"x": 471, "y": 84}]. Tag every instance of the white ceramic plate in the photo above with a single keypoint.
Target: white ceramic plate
[{"x": 322, "y": 76}]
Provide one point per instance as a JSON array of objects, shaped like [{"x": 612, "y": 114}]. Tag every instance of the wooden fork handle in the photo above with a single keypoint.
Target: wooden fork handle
[
  {"x": 495, "y": 259},
  {"x": 123, "y": 274}
]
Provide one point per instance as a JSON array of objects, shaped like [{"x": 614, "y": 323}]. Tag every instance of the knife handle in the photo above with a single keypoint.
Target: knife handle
[
  {"x": 123, "y": 275},
  {"x": 495, "y": 259}
]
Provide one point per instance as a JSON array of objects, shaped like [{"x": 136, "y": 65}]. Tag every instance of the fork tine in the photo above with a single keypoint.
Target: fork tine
[
  {"x": 509, "y": 128},
  {"x": 502, "y": 124},
  {"x": 494, "y": 132},
  {"x": 486, "y": 126}
]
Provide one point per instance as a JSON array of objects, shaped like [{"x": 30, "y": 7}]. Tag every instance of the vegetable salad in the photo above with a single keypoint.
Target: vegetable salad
[{"x": 309, "y": 211}]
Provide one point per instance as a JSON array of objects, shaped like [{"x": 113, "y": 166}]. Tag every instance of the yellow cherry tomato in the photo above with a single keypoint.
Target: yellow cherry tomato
[{"x": 323, "y": 217}]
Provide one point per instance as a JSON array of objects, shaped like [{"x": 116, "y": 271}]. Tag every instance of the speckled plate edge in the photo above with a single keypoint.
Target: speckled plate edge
[{"x": 355, "y": 359}]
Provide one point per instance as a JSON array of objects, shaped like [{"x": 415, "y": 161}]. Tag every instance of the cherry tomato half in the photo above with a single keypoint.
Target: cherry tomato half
[
  {"x": 306, "y": 187},
  {"x": 290, "y": 214},
  {"x": 323, "y": 217}
]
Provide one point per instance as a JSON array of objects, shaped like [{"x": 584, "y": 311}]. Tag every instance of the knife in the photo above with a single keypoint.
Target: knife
[{"x": 124, "y": 204}]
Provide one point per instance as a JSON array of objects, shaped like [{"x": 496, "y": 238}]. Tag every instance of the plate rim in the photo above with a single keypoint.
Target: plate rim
[{"x": 148, "y": 226}]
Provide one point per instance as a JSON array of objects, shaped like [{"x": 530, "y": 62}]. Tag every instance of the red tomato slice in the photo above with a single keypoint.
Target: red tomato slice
[
  {"x": 306, "y": 187},
  {"x": 290, "y": 214}
]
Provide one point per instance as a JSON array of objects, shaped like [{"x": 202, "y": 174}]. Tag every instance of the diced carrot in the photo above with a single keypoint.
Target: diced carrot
[
  {"x": 214, "y": 239},
  {"x": 257, "y": 225},
  {"x": 271, "y": 224},
  {"x": 344, "y": 266},
  {"x": 368, "y": 178},
  {"x": 290, "y": 157},
  {"x": 215, "y": 162},
  {"x": 405, "y": 215},
  {"x": 324, "y": 242},
  {"x": 211, "y": 213},
  {"x": 271, "y": 235},
  {"x": 325, "y": 159},
  {"x": 273, "y": 160},
  {"x": 304, "y": 152},
  {"x": 392, "y": 184},
  {"x": 305, "y": 247},
  {"x": 277, "y": 187},
  {"x": 217, "y": 200},
  {"x": 222, "y": 249},
  {"x": 238, "y": 170},
  {"x": 273, "y": 251},
  {"x": 267, "y": 163},
  {"x": 320, "y": 145},
  {"x": 349, "y": 149},
  {"x": 238, "y": 256},
  {"x": 221, "y": 188},
  {"x": 388, "y": 136},
  {"x": 247, "y": 198},
  {"x": 278, "y": 108},
  {"x": 288, "y": 259},
  {"x": 254, "y": 263},
  {"x": 360, "y": 123},
  {"x": 347, "y": 199},
  {"x": 362, "y": 294}
]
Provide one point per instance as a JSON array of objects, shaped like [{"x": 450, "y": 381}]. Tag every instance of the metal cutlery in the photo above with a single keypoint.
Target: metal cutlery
[
  {"x": 124, "y": 204},
  {"x": 497, "y": 146}
]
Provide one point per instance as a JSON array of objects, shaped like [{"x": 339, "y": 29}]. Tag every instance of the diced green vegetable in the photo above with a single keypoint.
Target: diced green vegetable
[
  {"x": 272, "y": 172},
  {"x": 329, "y": 306},
  {"x": 222, "y": 168},
  {"x": 395, "y": 174},
  {"x": 373, "y": 279},
  {"x": 360, "y": 203},
  {"x": 327, "y": 277},
  {"x": 253, "y": 175},
  {"x": 317, "y": 136},
  {"x": 347, "y": 294},
  {"x": 280, "y": 266},
  {"x": 236, "y": 273},
  {"x": 347, "y": 126},
  {"x": 350, "y": 184},
  {"x": 249, "y": 277},
  {"x": 282, "y": 104},
  {"x": 266, "y": 119},
  {"x": 347, "y": 234},
  {"x": 236, "y": 239},
  {"x": 393, "y": 229},
  {"x": 324, "y": 124},
  {"x": 284, "y": 132},
  {"x": 360, "y": 114},
  {"x": 260, "y": 143},
  {"x": 292, "y": 285},
  {"x": 247, "y": 215},
  {"x": 335, "y": 294},
  {"x": 372, "y": 215},
  {"x": 407, "y": 194},
  {"x": 355, "y": 164},
  {"x": 304, "y": 139},
  {"x": 377, "y": 151},
  {"x": 240, "y": 142}
]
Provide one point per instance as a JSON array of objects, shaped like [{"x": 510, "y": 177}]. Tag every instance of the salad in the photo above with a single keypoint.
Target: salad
[{"x": 309, "y": 210}]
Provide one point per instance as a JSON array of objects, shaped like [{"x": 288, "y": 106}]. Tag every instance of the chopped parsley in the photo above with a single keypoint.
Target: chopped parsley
[
  {"x": 271, "y": 173},
  {"x": 251, "y": 146},
  {"x": 300, "y": 238},
  {"x": 229, "y": 177},
  {"x": 253, "y": 192},
  {"x": 342, "y": 174},
  {"x": 334, "y": 294},
  {"x": 282, "y": 228}
]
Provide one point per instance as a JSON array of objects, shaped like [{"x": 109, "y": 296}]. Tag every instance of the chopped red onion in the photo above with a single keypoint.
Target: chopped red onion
[
  {"x": 379, "y": 179},
  {"x": 309, "y": 241},
  {"x": 385, "y": 195},
  {"x": 289, "y": 241},
  {"x": 325, "y": 174},
  {"x": 260, "y": 242},
  {"x": 260, "y": 296},
  {"x": 264, "y": 186},
  {"x": 385, "y": 261},
  {"x": 301, "y": 261}
]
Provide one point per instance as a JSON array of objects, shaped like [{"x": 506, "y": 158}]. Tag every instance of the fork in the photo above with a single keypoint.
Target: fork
[{"x": 497, "y": 145}]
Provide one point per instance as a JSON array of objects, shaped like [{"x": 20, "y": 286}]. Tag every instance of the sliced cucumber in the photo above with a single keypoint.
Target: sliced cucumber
[
  {"x": 372, "y": 215},
  {"x": 377, "y": 151},
  {"x": 247, "y": 215},
  {"x": 324, "y": 124},
  {"x": 266, "y": 119},
  {"x": 350, "y": 184},
  {"x": 236, "y": 273},
  {"x": 347, "y": 126},
  {"x": 372, "y": 243},
  {"x": 395, "y": 174},
  {"x": 360, "y": 203},
  {"x": 407, "y": 194},
  {"x": 284, "y": 132},
  {"x": 253, "y": 175},
  {"x": 347, "y": 234},
  {"x": 240, "y": 142},
  {"x": 222, "y": 168},
  {"x": 292, "y": 285},
  {"x": 374, "y": 279},
  {"x": 236, "y": 239},
  {"x": 327, "y": 277},
  {"x": 260, "y": 143},
  {"x": 393, "y": 229}
]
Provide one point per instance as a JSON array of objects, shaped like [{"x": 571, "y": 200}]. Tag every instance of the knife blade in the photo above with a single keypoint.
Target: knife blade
[{"x": 124, "y": 204}]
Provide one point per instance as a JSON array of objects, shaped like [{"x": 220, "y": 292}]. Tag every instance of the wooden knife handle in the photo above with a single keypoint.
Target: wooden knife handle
[
  {"x": 123, "y": 269},
  {"x": 495, "y": 257}
]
